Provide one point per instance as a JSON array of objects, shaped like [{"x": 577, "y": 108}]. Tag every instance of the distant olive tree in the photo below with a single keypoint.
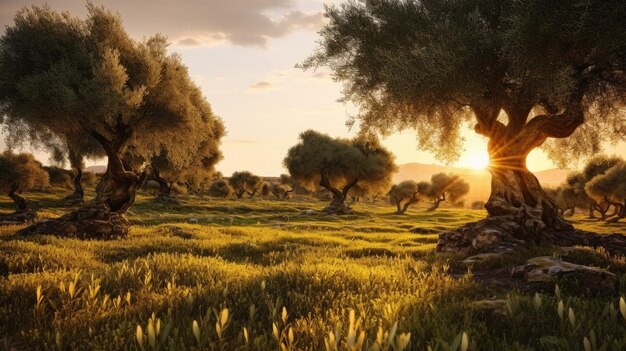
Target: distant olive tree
[
  {"x": 59, "y": 177},
  {"x": 280, "y": 191},
  {"x": 444, "y": 187},
  {"x": 611, "y": 187},
  {"x": 526, "y": 74},
  {"x": 266, "y": 189},
  {"x": 19, "y": 173},
  {"x": 404, "y": 195},
  {"x": 220, "y": 188},
  {"x": 244, "y": 182},
  {"x": 338, "y": 165},
  {"x": 89, "y": 78},
  {"x": 573, "y": 192}
]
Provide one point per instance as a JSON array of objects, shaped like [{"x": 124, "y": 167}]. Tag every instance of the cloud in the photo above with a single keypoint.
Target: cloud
[
  {"x": 261, "y": 86},
  {"x": 193, "y": 23}
]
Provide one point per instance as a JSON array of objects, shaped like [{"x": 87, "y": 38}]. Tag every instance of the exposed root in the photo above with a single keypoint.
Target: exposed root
[
  {"x": 337, "y": 208},
  {"x": 94, "y": 221},
  {"x": 19, "y": 217},
  {"x": 502, "y": 234}
]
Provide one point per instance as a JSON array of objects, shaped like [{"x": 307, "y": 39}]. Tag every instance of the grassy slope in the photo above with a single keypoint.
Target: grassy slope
[{"x": 270, "y": 255}]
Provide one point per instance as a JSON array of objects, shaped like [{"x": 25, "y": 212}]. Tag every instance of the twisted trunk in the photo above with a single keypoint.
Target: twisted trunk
[
  {"x": 103, "y": 217},
  {"x": 18, "y": 201},
  {"x": 520, "y": 212},
  {"x": 337, "y": 204},
  {"x": 436, "y": 203},
  {"x": 165, "y": 188}
]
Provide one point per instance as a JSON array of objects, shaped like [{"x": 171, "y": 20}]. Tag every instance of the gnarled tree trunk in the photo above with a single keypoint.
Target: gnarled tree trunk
[
  {"x": 165, "y": 188},
  {"x": 337, "y": 204},
  {"x": 436, "y": 203},
  {"x": 22, "y": 213},
  {"x": 77, "y": 197},
  {"x": 104, "y": 216},
  {"x": 18, "y": 201},
  {"x": 520, "y": 212}
]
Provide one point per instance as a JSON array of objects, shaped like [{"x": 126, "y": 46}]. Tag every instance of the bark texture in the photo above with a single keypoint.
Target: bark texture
[
  {"x": 520, "y": 212},
  {"x": 103, "y": 217},
  {"x": 337, "y": 204}
]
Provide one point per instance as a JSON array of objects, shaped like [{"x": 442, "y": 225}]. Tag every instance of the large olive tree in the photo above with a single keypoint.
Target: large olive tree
[
  {"x": 89, "y": 77},
  {"x": 338, "y": 165},
  {"x": 525, "y": 73}
]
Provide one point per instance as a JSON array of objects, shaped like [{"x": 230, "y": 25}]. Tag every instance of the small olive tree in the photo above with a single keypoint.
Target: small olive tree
[
  {"x": 444, "y": 187},
  {"x": 404, "y": 195},
  {"x": 18, "y": 173},
  {"x": 245, "y": 182},
  {"x": 220, "y": 188},
  {"x": 611, "y": 187},
  {"x": 338, "y": 164}
]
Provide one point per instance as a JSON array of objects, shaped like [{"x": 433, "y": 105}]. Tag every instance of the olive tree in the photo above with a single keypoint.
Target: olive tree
[
  {"x": 89, "y": 77},
  {"x": 337, "y": 165},
  {"x": 404, "y": 195},
  {"x": 244, "y": 182},
  {"x": 525, "y": 74},
  {"x": 18, "y": 173},
  {"x": 444, "y": 187},
  {"x": 611, "y": 187},
  {"x": 220, "y": 188},
  {"x": 71, "y": 147}
]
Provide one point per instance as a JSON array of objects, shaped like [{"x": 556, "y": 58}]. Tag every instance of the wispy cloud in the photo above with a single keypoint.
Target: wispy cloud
[
  {"x": 261, "y": 86},
  {"x": 192, "y": 23}
]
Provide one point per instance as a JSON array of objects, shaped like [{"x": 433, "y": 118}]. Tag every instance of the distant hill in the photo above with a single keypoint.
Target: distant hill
[
  {"x": 96, "y": 169},
  {"x": 479, "y": 180}
]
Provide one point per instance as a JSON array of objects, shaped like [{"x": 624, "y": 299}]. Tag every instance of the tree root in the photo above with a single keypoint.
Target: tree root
[
  {"x": 20, "y": 217},
  {"x": 336, "y": 208},
  {"x": 94, "y": 221},
  {"x": 502, "y": 234},
  {"x": 73, "y": 199}
]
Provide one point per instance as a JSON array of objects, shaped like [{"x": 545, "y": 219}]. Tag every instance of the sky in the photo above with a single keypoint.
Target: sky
[{"x": 242, "y": 53}]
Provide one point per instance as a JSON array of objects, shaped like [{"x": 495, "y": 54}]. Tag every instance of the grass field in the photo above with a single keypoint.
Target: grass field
[{"x": 269, "y": 275}]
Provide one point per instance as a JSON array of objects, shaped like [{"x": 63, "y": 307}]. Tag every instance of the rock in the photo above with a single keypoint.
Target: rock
[
  {"x": 547, "y": 269},
  {"x": 418, "y": 230},
  {"x": 493, "y": 234},
  {"x": 192, "y": 220}
]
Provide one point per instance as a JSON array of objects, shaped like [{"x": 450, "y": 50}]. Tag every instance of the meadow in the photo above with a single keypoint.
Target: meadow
[{"x": 263, "y": 274}]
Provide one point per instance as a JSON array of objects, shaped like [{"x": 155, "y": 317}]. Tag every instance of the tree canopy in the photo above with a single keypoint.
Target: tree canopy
[
  {"x": 245, "y": 182},
  {"x": 610, "y": 187},
  {"x": 432, "y": 65},
  {"x": 88, "y": 77},
  {"x": 443, "y": 187},
  {"x": 403, "y": 195},
  {"x": 338, "y": 164},
  {"x": 20, "y": 172}
]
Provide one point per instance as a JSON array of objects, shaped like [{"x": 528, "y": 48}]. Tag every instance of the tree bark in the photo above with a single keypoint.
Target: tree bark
[
  {"x": 436, "y": 203},
  {"x": 337, "y": 204},
  {"x": 103, "y": 217},
  {"x": 520, "y": 213},
  {"x": 18, "y": 201},
  {"x": 165, "y": 188}
]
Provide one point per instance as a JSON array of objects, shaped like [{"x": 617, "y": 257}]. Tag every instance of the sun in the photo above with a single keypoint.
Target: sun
[{"x": 478, "y": 160}]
